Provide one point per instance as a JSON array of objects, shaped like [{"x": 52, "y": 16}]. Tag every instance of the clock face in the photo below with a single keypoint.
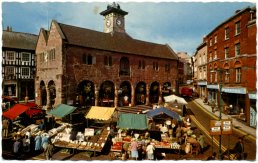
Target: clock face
[
  {"x": 118, "y": 22},
  {"x": 108, "y": 23}
]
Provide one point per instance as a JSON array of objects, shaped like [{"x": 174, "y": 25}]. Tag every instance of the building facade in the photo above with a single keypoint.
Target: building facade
[
  {"x": 200, "y": 69},
  {"x": 231, "y": 66},
  {"x": 110, "y": 68},
  {"x": 18, "y": 64}
]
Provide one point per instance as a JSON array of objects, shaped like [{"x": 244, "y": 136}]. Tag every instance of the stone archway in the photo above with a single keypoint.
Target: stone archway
[
  {"x": 124, "y": 94},
  {"x": 52, "y": 92},
  {"x": 140, "y": 93},
  {"x": 154, "y": 92},
  {"x": 85, "y": 93},
  {"x": 43, "y": 94},
  {"x": 107, "y": 94}
]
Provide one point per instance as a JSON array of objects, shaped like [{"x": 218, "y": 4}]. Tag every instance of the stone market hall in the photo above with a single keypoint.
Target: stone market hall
[{"x": 81, "y": 66}]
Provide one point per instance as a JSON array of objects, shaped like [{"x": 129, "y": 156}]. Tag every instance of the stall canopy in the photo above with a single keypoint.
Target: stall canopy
[
  {"x": 62, "y": 110},
  {"x": 100, "y": 113},
  {"x": 163, "y": 110},
  {"x": 15, "y": 111},
  {"x": 174, "y": 98},
  {"x": 132, "y": 121}
]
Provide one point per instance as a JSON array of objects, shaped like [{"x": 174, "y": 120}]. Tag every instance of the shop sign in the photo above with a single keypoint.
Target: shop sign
[
  {"x": 213, "y": 86},
  {"x": 223, "y": 127},
  {"x": 89, "y": 132},
  {"x": 202, "y": 82},
  {"x": 234, "y": 90},
  {"x": 215, "y": 127},
  {"x": 226, "y": 127}
]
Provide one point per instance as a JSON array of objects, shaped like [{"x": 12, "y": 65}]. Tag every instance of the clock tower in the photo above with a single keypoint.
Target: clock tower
[{"x": 114, "y": 18}]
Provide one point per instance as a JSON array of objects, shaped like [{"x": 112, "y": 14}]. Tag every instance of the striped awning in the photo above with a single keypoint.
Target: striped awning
[{"x": 100, "y": 113}]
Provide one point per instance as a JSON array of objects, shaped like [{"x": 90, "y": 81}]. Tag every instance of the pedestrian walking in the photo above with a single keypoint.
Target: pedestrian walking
[
  {"x": 26, "y": 144},
  {"x": 5, "y": 127},
  {"x": 201, "y": 142},
  {"x": 49, "y": 150},
  {"x": 134, "y": 150},
  {"x": 44, "y": 142},
  {"x": 239, "y": 149},
  {"x": 17, "y": 148},
  {"x": 150, "y": 151},
  {"x": 37, "y": 143}
]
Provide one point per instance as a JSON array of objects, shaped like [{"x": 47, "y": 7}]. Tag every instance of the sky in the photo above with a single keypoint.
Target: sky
[{"x": 180, "y": 24}]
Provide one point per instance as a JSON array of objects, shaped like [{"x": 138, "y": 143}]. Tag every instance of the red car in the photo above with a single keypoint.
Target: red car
[{"x": 187, "y": 92}]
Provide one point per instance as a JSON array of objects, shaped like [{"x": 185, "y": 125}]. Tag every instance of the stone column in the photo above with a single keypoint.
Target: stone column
[
  {"x": 132, "y": 95},
  {"x": 160, "y": 94},
  {"x": 147, "y": 102},
  {"x": 96, "y": 95},
  {"x": 48, "y": 98},
  {"x": 116, "y": 96}
]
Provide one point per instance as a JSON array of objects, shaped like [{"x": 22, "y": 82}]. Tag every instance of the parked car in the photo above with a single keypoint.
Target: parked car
[{"x": 186, "y": 92}]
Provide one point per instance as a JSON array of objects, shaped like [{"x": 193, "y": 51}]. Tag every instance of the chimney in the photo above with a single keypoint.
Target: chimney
[{"x": 7, "y": 29}]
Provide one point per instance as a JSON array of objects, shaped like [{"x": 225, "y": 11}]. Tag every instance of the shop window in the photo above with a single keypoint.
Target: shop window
[
  {"x": 238, "y": 75},
  {"x": 10, "y": 90}
]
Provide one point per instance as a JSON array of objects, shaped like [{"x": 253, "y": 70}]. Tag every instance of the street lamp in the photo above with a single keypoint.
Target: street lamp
[{"x": 220, "y": 108}]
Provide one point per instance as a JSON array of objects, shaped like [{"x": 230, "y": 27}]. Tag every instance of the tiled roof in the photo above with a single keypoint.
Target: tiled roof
[
  {"x": 19, "y": 40},
  {"x": 118, "y": 42}
]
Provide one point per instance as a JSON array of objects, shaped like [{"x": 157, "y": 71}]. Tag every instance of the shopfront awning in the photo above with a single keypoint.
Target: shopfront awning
[
  {"x": 62, "y": 110},
  {"x": 174, "y": 98},
  {"x": 213, "y": 86},
  {"x": 202, "y": 83},
  {"x": 132, "y": 121},
  {"x": 252, "y": 96},
  {"x": 15, "y": 111},
  {"x": 163, "y": 110},
  {"x": 100, "y": 113},
  {"x": 235, "y": 90}
]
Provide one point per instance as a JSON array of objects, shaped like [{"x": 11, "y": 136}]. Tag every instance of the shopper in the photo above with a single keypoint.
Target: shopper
[
  {"x": 37, "y": 143},
  {"x": 239, "y": 149},
  {"x": 134, "y": 150},
  {"x": 49, "y": 150},
  {"x": 5, "y": 127},
  {"x": 201, "y": 142},
  {"x": 17, "y": 148},
  {"x": 150, "y": 151}
]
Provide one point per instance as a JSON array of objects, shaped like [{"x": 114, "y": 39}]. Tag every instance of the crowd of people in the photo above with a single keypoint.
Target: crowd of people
[{"x": 28, "y": 144}]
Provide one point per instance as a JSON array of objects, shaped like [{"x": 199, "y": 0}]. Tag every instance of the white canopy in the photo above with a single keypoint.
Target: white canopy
[{"x": 174, "y": 99}]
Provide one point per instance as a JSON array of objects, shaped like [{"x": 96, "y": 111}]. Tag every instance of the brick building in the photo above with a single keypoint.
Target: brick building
[
  {"x": 18, "y": 64},
  {"x": 232, "y": 62},
  {"x": 107, "y": 68},
  {"x": 200, "y": 69}
]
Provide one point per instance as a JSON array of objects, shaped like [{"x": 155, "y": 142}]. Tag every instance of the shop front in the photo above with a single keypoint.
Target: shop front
[
  {"x": 213, "y": 90},
  {"x": 202, "y": 88},
  {"x": 253, "y": 111},
  {"x": 235, "y": 100}
]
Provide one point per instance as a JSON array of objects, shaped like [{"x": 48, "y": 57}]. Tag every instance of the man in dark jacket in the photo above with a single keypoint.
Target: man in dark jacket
[{"x": 239, "y": 148}]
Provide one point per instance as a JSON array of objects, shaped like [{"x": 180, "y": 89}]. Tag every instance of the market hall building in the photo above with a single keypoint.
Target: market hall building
[{"x": 86, "y": 67}]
